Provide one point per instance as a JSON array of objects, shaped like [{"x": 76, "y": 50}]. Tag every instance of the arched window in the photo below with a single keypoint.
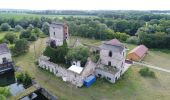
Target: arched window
[{"x": 110, "y": 53}]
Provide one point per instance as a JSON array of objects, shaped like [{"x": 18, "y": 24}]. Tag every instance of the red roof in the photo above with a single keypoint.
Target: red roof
[
  {"x": 140, "y": 50},
  {"x": 114, "y": 42}
]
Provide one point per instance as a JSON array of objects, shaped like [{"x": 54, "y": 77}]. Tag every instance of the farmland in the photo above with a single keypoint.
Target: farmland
[
  {"x": 19, "y": 16},
  {"x": 130, "y": 86}
]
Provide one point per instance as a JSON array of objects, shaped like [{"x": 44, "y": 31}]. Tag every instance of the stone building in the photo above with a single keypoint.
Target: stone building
[
  {"x": 74, "y": 74},
  {"x": 5, "y": 58},
  {"x": 5, "y": 55},
  {"x": 112, "y": 60},
  {"x": 58, "y": 33}
]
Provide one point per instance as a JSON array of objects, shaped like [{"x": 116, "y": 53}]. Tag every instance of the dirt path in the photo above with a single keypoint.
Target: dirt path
[{"x": 154, "y": 67}]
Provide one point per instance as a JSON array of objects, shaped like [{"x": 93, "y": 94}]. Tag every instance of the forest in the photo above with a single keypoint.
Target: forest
[{"x": 136, "y": 27}]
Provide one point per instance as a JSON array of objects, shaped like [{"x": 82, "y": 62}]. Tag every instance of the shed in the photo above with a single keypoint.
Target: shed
[
  {"x": 137, "y": 53},
  {"x": 89, "y": 80}
]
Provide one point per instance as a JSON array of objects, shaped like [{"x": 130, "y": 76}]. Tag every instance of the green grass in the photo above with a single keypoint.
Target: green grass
[
  {"x": 160, "y": 58},
  {"x": 3, "y": 33},
  {"x": 19, "y": 16},
  {"x": 132, "y": 86}
]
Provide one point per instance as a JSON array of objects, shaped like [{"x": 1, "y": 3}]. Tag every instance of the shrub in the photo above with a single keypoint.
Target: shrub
[
  {"x": 33, "y": 38},
  {"x": 4, "y": 92},
  {"x": 24, "y": 78},
  {"x": 5, "y": 27},
  {"x": 133, "y": 40},
  {"x": 18, "y": 28},
  {"x": 21, "y": 46},
  {"x": 95, "y": 57},
  {"x": 11, "y": 37},
  {"x": 146, "y": 72}
]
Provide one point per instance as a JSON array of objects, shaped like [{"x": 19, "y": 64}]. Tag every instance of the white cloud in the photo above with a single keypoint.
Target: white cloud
[{"x": 87, "y": 4}]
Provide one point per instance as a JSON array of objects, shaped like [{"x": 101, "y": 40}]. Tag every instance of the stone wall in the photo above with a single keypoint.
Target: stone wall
[
  {"x": 62, "y": 72},
  {"x": 7, "y": 56},
  {"x": 116, "y": 60}
]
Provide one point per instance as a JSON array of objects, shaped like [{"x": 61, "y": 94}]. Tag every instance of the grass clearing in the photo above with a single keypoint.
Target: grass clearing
[{"x": 132, "y": 86}]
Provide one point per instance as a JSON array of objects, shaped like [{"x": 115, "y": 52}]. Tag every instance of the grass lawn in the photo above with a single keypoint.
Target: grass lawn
[
  {"x": 130, "y": 87},
  {"x": 160, "y": 58}
]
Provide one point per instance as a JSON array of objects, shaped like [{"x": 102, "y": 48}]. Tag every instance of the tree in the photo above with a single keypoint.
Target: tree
[
  {"x": 21, "y": 46},
  {"x": 11, "y": 37},
  {"x": 4, "y": 92},
  {"x": 58, "y": 54},
  {"x": 5, "y": 27},
  {"x": 45, "y": 28},
  {"x": 133, "y": 40},
  {"x": 25, "y": 34},
  {"x": 79, "y": 53},
  {"x": 18, "y": 28}
]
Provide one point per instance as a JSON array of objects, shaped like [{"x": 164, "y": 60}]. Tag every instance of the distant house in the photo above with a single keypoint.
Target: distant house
[
  {"x": 5, "y": 58},
  {"x": 137, "y": 53},
  {"x": 112, "y": 60},
  {"x": 58, "y": 33}
]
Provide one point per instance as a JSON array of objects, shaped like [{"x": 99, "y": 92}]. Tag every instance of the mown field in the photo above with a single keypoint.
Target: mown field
[{"x": 130, "y": 87}]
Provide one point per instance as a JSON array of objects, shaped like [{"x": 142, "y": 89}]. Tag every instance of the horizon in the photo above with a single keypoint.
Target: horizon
[{"x": 142, "y": 5}]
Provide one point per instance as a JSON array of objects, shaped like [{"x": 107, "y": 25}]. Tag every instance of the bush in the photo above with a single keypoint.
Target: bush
[
  {"x": 79, "y": 53},
  {"x": 25, "y": 34},
  {"x": 146, "y": 72},
  {"x": 11, "y": 37},
  {"x": 95, "y": 57},
  {"x": 5, "y": 27},
  {"x": 24, "y": 78},
  {"x": 4, "y": 92},
  {"x": 33, "y": 38},
  {"x": 21, "y": 46},
  {"x": 133, "y": 40},
  {"x": 18, "y": 28}
]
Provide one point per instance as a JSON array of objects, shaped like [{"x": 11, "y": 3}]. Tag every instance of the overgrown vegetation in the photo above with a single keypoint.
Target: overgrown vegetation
[
  {"x": 78, "y": 53},
  {"x": 146, "y": 72},
  {"x": 24, "y": 78},
  {"x": 57, "y": 55},
  {"x": 4, "y": 93},
  {"x": 21, "y": 46}
]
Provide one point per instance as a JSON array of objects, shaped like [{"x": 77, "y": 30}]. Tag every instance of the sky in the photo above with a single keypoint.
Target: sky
[{"x": 86, "y": 4}]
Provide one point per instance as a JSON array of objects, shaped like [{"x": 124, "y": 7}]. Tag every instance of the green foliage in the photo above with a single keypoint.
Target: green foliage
[
  {"x": 146, "y": 72},
  {"x": 95, "y": 57},
  {"x": 79, "y": 53},
  {"x": 25, "y": 34},
  {"x": 24, "y": 78},
  {"x": 4, "y": 92},
  {"x": 21, "y": 46},
  {"x": 5, "y": 26},
  {"x": 33, "y": 38},
  {"x": 57, "y": 55},
  {"x": 11, "y": 37},
  {"x": 133, "y": 40},
  {"x": 45, "y": 28},
  {"x": 18, "y": 28}
]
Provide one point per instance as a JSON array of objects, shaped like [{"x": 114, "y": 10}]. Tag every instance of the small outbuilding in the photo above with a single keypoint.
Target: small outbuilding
[{"x": 137, "y": 53}]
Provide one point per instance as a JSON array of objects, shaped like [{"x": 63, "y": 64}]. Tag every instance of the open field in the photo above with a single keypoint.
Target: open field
[
  {"x": 18, "y": 16},
  {"x": 158, "y": 58},
  {"x": 130, "y": 87}
]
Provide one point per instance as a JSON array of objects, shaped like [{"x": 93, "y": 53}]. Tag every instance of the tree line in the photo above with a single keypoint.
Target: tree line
[{"x": 128, "y": 26}]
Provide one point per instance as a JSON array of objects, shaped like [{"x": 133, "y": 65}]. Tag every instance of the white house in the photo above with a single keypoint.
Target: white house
[
  {"x": 112, "y": 60},
  {"x": 5, "y": 55},
  {"x": 58, "y": 33}
]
